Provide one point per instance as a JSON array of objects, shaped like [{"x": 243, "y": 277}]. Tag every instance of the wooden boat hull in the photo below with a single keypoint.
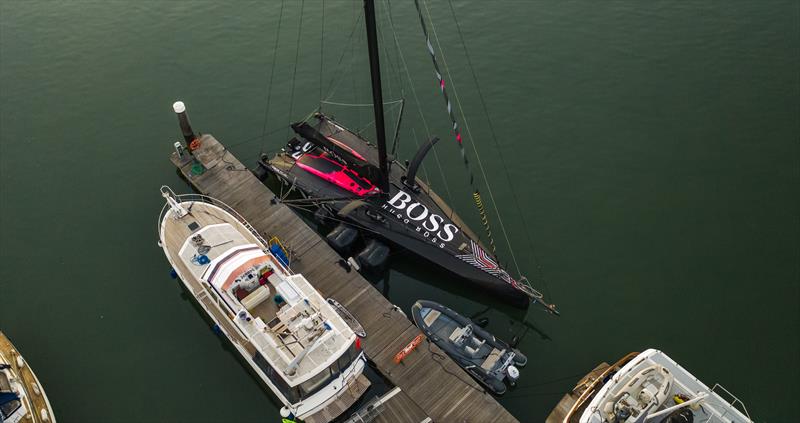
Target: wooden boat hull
[{"x": 32, "y": 397}]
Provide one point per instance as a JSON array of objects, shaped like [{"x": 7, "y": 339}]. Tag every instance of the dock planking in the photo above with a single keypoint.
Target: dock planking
[{"x": 431, "y": 384}]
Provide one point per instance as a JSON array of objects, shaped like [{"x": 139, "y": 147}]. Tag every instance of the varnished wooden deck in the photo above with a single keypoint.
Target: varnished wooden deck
[
  {"x": 39, "y": 410},
  {"x": 431, "y": 387}
]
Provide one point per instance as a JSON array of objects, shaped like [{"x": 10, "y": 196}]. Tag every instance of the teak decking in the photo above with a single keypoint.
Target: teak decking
[
  {"x": 430, "y": 387},
  {"x": 35, "y": 400}
]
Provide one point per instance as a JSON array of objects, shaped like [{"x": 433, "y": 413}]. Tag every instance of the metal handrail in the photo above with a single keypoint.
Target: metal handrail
[
  {"x": 208, "y": 200},
  {"x": 733, "y": 403}
]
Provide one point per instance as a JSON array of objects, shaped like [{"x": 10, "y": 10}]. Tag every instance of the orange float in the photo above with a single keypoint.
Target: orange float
[{"x": 408, "y": 348}]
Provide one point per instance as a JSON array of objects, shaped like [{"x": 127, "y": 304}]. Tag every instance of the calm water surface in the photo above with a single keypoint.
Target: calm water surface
[{"x": 653, "y": 149}]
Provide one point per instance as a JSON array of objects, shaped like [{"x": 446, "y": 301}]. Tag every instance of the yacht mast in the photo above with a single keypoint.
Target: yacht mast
[{"x": 377, "y": 94}]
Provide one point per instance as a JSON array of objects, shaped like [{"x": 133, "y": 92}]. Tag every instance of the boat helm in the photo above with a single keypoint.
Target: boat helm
[{"x": 513, "y": 374}]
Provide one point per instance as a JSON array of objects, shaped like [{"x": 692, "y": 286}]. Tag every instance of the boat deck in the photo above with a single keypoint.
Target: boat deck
[
  {"x": 563, "y": 412},
  {"x": 430, "y": 388},
  {"x": 35, "y": 401}
]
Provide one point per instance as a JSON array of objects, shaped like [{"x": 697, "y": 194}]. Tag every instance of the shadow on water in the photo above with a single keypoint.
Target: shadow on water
[{"x": 227, "y": 346}]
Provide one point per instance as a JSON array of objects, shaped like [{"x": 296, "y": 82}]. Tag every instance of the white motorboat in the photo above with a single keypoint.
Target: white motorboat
[
  {"x": 647, "y": 387},
  {"x": 291, "y": 337}
]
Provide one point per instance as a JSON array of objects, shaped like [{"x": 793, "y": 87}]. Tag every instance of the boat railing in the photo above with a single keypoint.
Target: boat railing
[
  {"x": 731, "y": 399},
  {"x": 208, "y": 200}
]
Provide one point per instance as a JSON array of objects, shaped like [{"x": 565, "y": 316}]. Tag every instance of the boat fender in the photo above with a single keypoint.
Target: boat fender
[
  {"x": 515, "y": 341},
  {"x": 173, "y": 274},
  {"x": 374, "y": 256},
  {"x": 681, "y": 398},
  {"x": 341, "y": 238},
  {"x": 353, "y": 263},
  {"x": 286, "y": 414},
  {"x": 344, "y": 264},
  {"x": 260, "y": 173}
]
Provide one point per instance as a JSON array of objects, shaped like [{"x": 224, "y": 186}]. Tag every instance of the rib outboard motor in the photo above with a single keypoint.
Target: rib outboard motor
[
  {"x": 341, "y": 238},
  {"x": 374, "y": 256}
]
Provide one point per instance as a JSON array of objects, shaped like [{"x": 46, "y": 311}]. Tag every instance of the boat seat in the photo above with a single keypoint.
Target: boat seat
[
  {"x": 258, "y": 296},
  {"x": 461, "y": 334},
  {"x": 431, "y": 317},
  {"x": 457, "y": 334},
  {"x": 491, "y": 359},
  {"x": 473, "y": 346}
]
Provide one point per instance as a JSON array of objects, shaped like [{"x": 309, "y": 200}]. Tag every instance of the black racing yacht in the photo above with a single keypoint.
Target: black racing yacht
[{"x": 347, "y": 179}]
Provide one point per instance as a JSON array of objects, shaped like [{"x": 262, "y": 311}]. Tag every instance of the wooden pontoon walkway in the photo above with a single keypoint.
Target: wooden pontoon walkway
[{"x": 432, "y": 387}]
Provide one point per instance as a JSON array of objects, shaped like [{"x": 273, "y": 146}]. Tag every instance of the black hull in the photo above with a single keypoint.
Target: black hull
[{"x": 409, "y": 218}]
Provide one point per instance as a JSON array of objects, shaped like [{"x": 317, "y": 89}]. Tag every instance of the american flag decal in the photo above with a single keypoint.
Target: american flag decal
[{"x": 482, "y": 261}]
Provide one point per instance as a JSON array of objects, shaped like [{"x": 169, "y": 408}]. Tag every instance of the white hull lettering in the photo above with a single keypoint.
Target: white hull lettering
[{"x": 417, "y": 212}]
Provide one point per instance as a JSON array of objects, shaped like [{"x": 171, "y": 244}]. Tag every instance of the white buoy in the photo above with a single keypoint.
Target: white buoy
[{"x": 285, "y": 412}]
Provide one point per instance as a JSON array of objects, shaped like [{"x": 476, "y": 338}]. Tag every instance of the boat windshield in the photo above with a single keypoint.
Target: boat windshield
[
  {"x": 320, "y": 380},
  {"x": 304, "y": 390}
]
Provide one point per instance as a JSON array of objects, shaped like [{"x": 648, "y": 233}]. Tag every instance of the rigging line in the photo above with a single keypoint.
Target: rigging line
[
  {"x": 321, "y": 51},
  {"x": 395, "y": 66},
  {"x": 372, "y": 122},
  {"x": 385, "y": 103},
  {"x": 465, "y": 159},
  {"x": 353, "y": 47},
  {"x": 388, "y": 59},
  {"x": 497, "y": 146},
  {"x": 253, "y": 138},
  {"x": 349, "y": 43},
  {"x": 472, "y": 141},
  {"x": 387, "y": 11},
  {"x": 272, "y": 72},
  {"x": 419, "y": 109},
  {"x": 296, "y": 57}
]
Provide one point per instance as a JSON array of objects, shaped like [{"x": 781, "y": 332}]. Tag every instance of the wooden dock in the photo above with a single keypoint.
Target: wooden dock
[{"x": 432, "y": 387}]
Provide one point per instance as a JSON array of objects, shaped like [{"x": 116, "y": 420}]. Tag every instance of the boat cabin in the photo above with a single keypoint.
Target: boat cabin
[{"x": 300, "y": 342}]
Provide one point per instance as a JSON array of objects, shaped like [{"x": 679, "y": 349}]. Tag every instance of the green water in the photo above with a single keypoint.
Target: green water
[{"x": 654, "y": 149}]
